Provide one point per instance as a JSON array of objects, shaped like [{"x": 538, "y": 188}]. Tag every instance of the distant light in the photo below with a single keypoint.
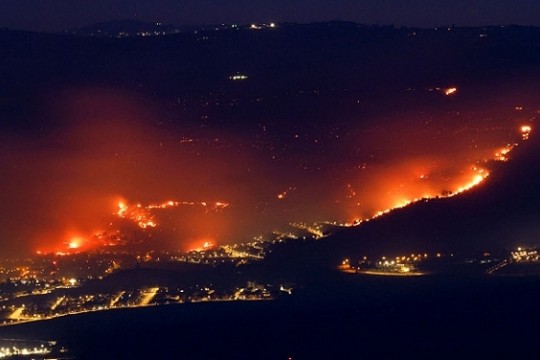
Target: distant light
[
  {"x": 450, "y": 91},
  {"x": 238, "y": 77},
  {"x": 525, "y": 132},
  {"x": 525, "y": 128}
]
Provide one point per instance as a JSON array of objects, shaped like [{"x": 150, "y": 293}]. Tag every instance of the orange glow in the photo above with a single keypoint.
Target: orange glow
[
  {"x": 377, "y": 164},
  {"x": 525, "y": 132},
  {"x": 282, "y": 195},
  {"x": 137, "y": 214},
  {"x": 74, "y": 243},
  {"x": 501, "y": 155},
  {"x": 203, "y": 245},
  {"x": 526, "y": 128},
  {"x": 71, "y": 244},
  {"x": 401, "y": 190},
  {"x": 450, "y": 91},
  {"x": 143, "y": 216}
]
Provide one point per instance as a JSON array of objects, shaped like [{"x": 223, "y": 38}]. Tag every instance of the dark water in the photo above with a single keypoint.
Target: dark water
[{"x": 436, "y": 317}]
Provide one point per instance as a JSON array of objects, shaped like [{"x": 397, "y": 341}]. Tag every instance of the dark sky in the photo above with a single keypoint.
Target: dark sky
[{"x": 55, "y": 15}]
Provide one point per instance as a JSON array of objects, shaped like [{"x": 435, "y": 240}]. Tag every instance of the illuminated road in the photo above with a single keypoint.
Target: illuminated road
[
  {"x": 388, "y": 273},
  {"x": 383, "y": 273},
  {"x": 116, "y": 299},
  {"x": 148, "y": 296},
  {"x": 497, "y": 267},
  {"x": 17, "y": 315},
  {"x": 57, "y": 303}
]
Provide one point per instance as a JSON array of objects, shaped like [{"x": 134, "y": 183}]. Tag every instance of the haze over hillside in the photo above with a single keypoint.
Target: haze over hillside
[{"x": 247, "y": 131}]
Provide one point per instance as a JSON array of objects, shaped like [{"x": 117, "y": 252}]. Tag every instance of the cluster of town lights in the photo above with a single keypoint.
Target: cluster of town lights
[{"x": 8, "y": 352}]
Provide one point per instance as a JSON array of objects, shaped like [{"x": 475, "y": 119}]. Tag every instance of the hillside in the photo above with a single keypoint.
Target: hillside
[{"x": 501, "y": 214}]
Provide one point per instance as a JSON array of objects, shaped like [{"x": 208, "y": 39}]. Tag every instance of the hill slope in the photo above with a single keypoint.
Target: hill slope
[{"x": 502, "y": 213}]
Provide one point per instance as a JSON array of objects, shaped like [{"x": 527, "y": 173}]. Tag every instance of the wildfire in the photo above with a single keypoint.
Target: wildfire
[
  {"x": 71, "y": 244},
  {"x": 74, "y": 243},
  {"x": 476, "y": 180},
  {"x": 479, "y": 174},
  {"x": 216, "y": 206},
  {"x": 142, "y": 214},
  {"x": 391, "y": 185},
  {"x": 501, "y": 155},
  {"x": 526, "y": 132},
  {"x": 137, "y": 213},
  {"x": 206, "y": 245},
  {"x": 282, "y": 195}
]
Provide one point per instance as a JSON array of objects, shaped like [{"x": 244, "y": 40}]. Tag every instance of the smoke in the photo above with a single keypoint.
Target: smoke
[{"x": 101, "y": 146}]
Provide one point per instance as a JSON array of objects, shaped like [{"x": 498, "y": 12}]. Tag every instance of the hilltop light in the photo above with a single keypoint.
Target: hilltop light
[
  {"x": 450, "y": 91},
  {"x": 525, "y": 131},
  {"x": 238, "y": 77}
]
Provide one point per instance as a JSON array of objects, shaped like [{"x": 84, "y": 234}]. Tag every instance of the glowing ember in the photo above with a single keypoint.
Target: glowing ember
[
  {"x": 206, "y": 245},
  {"x": 526, "y": 132},
  {"x": 501, "y": 155},
  {"x": 282, "y": 195},
  {"x": 144, "y": 218},
  {"x": 170, "y": 204},
  {"x": 450, "y": 91},
  {"x": 136, "y": 213},
  {"x": 476, "y": 180}
]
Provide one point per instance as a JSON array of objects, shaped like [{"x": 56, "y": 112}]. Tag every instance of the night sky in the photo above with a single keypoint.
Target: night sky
[{"x": 57, "y": 15}]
